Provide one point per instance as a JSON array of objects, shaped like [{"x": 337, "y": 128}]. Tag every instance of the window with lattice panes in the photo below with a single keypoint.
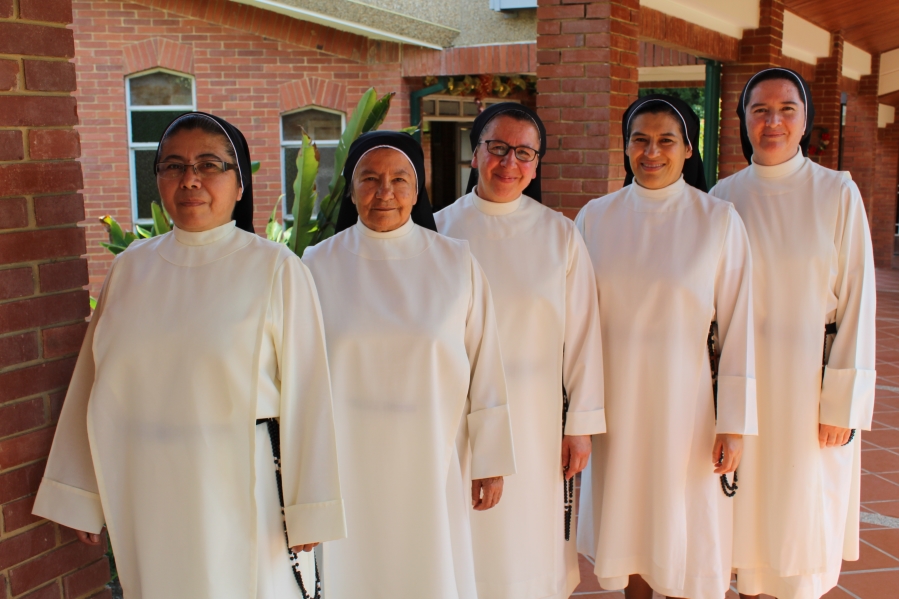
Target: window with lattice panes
[
  {"x": 324, "y": 127},
  {"x": 154, "y": 100}
]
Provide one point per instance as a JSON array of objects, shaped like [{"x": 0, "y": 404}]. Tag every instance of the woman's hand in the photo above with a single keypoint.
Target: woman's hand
[
  {"x": 575, "y": 453},
  {"x": 486, "y": 492},
  {"x": 732, "y": 446},
  {"x": 88, "y": 538},
  {"x": 832, "y": 436},
  {"x": 306, "y": 547}
]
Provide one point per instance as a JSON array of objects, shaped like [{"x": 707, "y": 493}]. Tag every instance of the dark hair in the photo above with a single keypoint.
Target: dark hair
[
  {"x": 516, "y": 115},
  {"x": 658, "y": 108},
  {"x": 193, "y": 122},
  {"x": 772, "y": 75}
]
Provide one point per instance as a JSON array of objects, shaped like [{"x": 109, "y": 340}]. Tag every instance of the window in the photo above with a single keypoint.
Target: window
[
  {"x": 324, "y": 128},
  {"x": 153, "y": 101}
]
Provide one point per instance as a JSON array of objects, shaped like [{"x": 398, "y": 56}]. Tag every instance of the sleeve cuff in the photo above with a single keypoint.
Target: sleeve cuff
[
  {"x": 315, "y": 522},
  {"x": 490, "y": 436},
  {"x": 737, "y": 412},
  {"x": 847, "y": 398},
  {"x": 586, "y": 423},
  {"x": 69, "y": 506}
]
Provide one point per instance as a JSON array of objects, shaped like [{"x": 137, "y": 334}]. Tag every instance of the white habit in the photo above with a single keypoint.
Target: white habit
[
  {"x": 544, "y": 291},
  {"x": 195, "y": 337},
  {"x": 798, "y": 506},
  {"x": 668, "y": 263},
  {"x": 419, "y": 398}
]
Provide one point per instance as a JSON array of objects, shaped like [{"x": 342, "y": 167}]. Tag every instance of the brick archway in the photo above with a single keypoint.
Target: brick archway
[
  {"x": 313, "y": 91},
  {"x": 158, "y": 52}
]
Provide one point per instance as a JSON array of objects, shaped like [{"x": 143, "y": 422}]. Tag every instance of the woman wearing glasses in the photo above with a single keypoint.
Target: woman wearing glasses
[
  {"x": 545, "y": 294},
  {"x": 199, "y": 334}
]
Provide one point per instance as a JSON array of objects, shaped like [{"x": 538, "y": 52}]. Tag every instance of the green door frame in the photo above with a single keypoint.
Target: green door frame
[
  {"x": 415, "y": 103},
  {"x": 712, "y": 124}
]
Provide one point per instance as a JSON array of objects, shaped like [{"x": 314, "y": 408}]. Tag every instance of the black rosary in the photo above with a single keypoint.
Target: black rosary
[
  {"x": 568, "y": 485},
  {"x": 729, "y": 489},
  {"x": 274, "y": 434}
]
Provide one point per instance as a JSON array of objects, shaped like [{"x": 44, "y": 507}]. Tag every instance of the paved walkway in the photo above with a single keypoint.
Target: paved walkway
[{"x": 876, "y": 574}]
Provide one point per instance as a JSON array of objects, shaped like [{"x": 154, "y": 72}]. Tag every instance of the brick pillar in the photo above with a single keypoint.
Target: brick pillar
[
  {"x": 826, "y": 97},
  {"x": 42, "y": 303},
  {"x": 860, "y": 133},
  {"x": 587, "y": 56},
  {"x": 759, "y": 48},
  {"x": 886, "y": 179}
]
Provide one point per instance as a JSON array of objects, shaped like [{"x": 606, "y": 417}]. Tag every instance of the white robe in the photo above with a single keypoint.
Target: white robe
[
  {"x": 544, "y": 290},
  {"x": 195, "y": 336},
  {"x": 418, "y": 380},
  {"x": 798, "y": 508},
  {"x": 668, "y": 262}
]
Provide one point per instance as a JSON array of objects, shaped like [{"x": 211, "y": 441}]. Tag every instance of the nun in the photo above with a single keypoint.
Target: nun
[
  {"x": 419, "y": 392},
  {"x": 548, "y": 319},
  {"x": 204, "y": 360},
  {"x": 813, "y": 270},
  {"x": 673, "y": 270}
]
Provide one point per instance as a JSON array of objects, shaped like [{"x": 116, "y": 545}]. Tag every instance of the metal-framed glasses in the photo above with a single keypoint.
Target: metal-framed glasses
[
  {"x": 206, "y": 168},
  {"x": 501, "y": 148}
]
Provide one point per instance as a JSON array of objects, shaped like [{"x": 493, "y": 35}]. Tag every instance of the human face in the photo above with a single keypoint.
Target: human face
[
  {"x": 656, "y": 149},
  {"x": 503, "y": 178},
  {"x": 384, "y": 189},
  {"x": 198, "y": 203},
  {"x": 775, "y": 121}
]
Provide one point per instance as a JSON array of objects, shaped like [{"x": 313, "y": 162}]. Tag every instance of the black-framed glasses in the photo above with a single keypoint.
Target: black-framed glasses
[
  {"x": 206, "y": 168},
  {"x": 501, "y": 148}
]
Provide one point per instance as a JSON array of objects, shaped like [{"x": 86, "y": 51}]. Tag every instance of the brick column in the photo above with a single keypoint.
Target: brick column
[
  {"x": 886, "y": 179},
  {"x": 759, "y": 48},
  {"x": 42, "y": 303},
  {"x": 860, "y": 134},
  {"x": 587, "y": 56},
  {"x": 826, "y": 97}
]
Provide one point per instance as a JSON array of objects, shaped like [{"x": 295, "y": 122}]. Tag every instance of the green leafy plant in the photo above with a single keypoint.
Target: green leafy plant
[
  {"x": 310, "y": 227},
  {"x": 119, "y": 240}
]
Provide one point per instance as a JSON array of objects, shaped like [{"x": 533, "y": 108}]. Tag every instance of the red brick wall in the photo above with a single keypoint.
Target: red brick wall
[
  {"x": 248, "y": 76},
  {"x": 860, "y": 135},
  {"x": 587, "y": 54},
  {"x": 826, "y": 97},
  {"x": 42, "y": 304},
  {"x": 883, "y": 217}
]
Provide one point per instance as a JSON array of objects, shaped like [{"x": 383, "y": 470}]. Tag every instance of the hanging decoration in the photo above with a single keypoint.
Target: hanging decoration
[
  {"x": 819, "y": 141},
  {"x": 487, "y": 86}
]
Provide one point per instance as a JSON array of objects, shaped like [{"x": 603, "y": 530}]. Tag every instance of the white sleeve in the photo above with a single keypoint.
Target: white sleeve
[
  {"x": 313, "y": 507},
  {"x": 489, "y": 423},
  {"x": 737, "y": 412},
  {"x": 582, "y": 370},
  {"x": 68, "y": 492},
  {"x": 847, "y": 395}
]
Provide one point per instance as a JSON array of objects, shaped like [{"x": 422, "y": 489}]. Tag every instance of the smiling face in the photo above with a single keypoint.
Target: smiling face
[
  {"x": 775, "y": 121},
  {"x": 198, "y": 203},
  {"x": 504, "y": 178},
  {"x": 384, "y": 189},
  {"x": 656, "y": 149}
]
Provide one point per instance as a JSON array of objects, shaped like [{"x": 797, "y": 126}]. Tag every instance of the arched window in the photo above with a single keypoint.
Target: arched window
[
  {"x": 154, "y": 100},
  {"x": 325, "y": 128}
]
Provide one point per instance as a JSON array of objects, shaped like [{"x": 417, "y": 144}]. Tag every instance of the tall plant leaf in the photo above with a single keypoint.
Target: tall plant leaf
[
  {"x": 160, "y": 219},
  {"x": 378, "y": 113},
  {"x": 274, "y": 231},
  {"x": 304, "y": 195}
]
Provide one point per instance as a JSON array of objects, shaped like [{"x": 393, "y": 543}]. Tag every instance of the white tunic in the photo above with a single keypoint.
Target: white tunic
[
  {"x": 195, "y": 336},
  {"x": 544, "y": 289},
  {"x": 668, "y": 263},
  {"x": 418, "y": 380},
  {"x": 798, "y": 508}
]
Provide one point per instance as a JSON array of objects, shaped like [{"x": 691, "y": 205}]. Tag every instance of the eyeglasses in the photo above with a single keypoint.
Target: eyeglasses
[
  {"x": 207, "y": 168},
  {"x": 501, "y": 148}
]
